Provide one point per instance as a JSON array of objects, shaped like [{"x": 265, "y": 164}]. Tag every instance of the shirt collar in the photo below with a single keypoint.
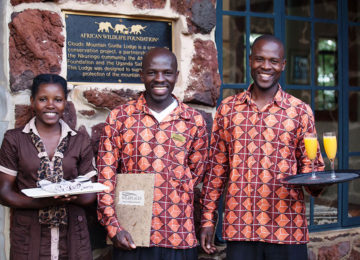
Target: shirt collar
[
  {"x": 280, "y": 97},
  {"x": 179, "y": 111},
  {"x": 65, "y": 128}
]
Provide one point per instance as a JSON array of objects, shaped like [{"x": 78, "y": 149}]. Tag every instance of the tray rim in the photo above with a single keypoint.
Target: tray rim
[{"x": 286, "y": 179}]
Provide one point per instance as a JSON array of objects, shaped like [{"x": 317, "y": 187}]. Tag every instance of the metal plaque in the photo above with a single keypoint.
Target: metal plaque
[{"x": 109, "y": 49}]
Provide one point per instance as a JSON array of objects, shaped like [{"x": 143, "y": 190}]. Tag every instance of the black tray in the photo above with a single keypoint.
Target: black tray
[{"x": 322, "y": 177}]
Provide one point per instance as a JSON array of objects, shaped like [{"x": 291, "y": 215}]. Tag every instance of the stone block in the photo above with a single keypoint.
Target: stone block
[
  {"x": 87, "y": 113},
  {"x": 23, "y": 113},
  {"x": 149, "y": 4},
  {"x": 17, "y": 2},
  {"x": 95, "y": 137},
  {"x": 110, "y": 98},
  {"x": 35, "y": 46},
  {"x": 204, "y": 16},
  {"x": 200, "y": 16},
  {"x": 354, "y": 255},
  {"x": 205, "y": 84}
]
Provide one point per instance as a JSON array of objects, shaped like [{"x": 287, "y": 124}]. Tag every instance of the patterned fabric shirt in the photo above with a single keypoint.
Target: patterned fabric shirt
[
  {"x": 133, "y": 141},
  {"x": 250, "y": 151}
]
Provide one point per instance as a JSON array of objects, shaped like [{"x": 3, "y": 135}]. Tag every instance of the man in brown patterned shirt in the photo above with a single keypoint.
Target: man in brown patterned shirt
[
  {"x": 257, "y": 139},
  {"x": 161, "y": 135}
]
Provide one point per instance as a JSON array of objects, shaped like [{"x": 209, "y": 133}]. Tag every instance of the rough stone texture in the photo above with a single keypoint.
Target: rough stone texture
[
  {"x": 23, "y": 113},
  {"x": 110, "y": 98},
  {"x": 87, "y": 113},
  {"x": 337, "y": 244},
  {"x": 200, "y": 14},
  {"x": 17, "y": 2},
  {"x": 328, "y": 252},
  {"x": 205, "y": 85},
  {"x": 35, "y": 46},
  {"x": 95, "y": 137},
  {"x": 316, "y": 239},
  {"x": 354, "y": 255},
  {"x": 344, "y": 248},
  {"x": 357, "y": 243},
  {"x": 69, "y": 115},
  {"x": 204, "y": 16},
  {"x": 149, "y": 4}
]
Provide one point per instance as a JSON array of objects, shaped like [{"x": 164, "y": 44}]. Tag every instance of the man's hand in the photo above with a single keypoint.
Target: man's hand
[
  {"x": 123, "y": 241},
  {"x": 206, "y": 240}
]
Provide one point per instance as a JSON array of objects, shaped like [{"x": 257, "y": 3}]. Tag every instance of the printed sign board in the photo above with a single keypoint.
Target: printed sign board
[{"x": 109, "y": 49}]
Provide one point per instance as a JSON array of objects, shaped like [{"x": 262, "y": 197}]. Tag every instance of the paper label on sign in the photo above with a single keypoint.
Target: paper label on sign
[{"x": 132, "y": 197}]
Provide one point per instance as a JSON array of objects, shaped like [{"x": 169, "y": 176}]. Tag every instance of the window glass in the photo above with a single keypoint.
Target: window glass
[
  {"x": 326, "y": 206},
  {"x": 326, "y": 111},
  {"x": 234, "y": 5},
  {"x": 227, "y": 92},
  {"x": 262, "y": 6},
  {"x": 234, "y": 49},
  {"x": 354, "y": 10},
  {"x": 354, "y": 55},
  {"x": 354, "y": 121},
  {"x": 302, "y": 94},
  {"x": 326, "y": 54},
  {"x": 326, "y": 9},
  {"x": 354, "y": 189},
  {"x": 259, "y": 26},
  {"x": 298, "y": 8},
  {"x": 298, "y": 52}
]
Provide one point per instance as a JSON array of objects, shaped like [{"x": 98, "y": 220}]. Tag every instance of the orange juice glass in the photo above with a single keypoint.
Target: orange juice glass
[
  {"x": 311, "y": 145},
  {"x": 330, "y": 146}
]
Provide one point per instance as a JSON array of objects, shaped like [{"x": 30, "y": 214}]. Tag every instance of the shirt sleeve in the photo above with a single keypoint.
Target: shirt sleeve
[
  {"x": 107, "y": 163},
  {"x": 217, "y": 171},
  {"x": 199, "y": 151},
  {"x": 86, "y": 163},
  {"x": 9, "y": 155},
  {"x": 307, "y": 126}
]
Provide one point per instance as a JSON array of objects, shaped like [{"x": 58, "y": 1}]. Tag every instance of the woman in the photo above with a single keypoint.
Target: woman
[{"x": 46, "y": 148}]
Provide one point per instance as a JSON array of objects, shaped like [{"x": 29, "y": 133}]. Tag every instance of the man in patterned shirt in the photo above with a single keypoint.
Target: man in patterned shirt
[
  {"x": 155, "y": 134},
  {"x": 257, "y": 139}
]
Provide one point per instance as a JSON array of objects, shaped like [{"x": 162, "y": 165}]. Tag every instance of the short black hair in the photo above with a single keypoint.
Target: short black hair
[
  {"x": 270, "y": 38},
  {"x": 45, "y": 79},
  {"x": 159, "y": 50}
]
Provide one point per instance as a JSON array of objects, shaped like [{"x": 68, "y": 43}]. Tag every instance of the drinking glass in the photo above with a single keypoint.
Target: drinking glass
[
  {"x": 330, "y": 146},
  {"x": 311, "y": 145}
]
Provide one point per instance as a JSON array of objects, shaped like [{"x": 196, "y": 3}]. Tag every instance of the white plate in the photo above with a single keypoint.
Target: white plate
[{"x": 40, "y": 193}]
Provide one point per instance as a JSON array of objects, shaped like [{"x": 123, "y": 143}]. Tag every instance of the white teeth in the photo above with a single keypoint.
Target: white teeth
[
  {"x": 265, "y": 75},
  {"x": 50, "y": 114}
]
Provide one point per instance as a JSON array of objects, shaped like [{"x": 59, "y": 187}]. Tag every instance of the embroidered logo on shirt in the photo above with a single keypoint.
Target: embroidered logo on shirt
[{"x": 178, "y": 137}]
